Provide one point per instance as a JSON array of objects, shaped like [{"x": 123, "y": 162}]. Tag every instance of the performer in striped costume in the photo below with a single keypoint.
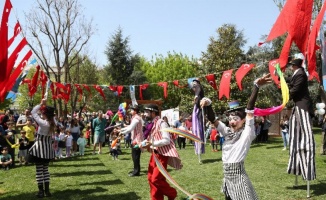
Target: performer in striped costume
[
  {"x": 238, "y": 138},
  {"x": 163, "y": 146},
  {"x": 41, "y": 152},
  {"x": 301, "y": 139},
  {"x": 137, "y": 137}
]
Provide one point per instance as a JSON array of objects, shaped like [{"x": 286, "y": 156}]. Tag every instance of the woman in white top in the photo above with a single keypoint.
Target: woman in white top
[
  {"x": 42, "y": 152},
  {"x": 75, "y": 133}
]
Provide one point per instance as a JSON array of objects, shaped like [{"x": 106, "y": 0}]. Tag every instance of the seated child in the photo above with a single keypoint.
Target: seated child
[
  {"x": 23, "y": 147},
  {"x": 5, "y": 159},
  {"x": 82, "y": 144}
]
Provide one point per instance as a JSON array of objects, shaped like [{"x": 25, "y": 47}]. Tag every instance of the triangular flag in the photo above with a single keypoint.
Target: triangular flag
[
  {"x": 225, "y": 84},
  {"x": 241, "y": 72}
]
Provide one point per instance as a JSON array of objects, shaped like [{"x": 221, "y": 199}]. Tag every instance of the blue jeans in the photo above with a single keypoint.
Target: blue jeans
[{"x": 285, "y": 136}]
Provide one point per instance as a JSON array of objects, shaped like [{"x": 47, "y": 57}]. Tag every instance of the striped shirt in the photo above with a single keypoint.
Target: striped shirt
[{"x": 164, "y": 144}]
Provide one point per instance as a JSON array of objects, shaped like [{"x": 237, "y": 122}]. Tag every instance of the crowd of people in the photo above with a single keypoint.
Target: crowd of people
[{"x": 39, "y": 136}]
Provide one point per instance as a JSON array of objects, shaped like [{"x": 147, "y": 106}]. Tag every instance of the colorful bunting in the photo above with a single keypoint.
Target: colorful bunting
[{"x": 99, "y": 89}]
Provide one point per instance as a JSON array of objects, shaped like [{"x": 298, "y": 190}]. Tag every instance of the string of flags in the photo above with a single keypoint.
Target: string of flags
[{"x": 11, "y": 77}]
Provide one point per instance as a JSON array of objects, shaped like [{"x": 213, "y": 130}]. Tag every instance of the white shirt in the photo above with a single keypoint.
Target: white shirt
[
  {"x": 182, "y": 128},
  {"x": 237, "y": 152},
  {"x": 44, "y": 125},
  {"x": 69, "y": 141},
  {"x": 131, "y": 127}
]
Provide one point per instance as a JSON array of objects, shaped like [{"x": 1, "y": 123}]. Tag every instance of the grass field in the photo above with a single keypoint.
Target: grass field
[{"x": 100, "y": 177}]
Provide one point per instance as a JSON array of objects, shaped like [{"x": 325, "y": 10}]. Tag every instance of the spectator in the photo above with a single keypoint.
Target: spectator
[
  {"x": 284, "y": 124},
  {"x": 82, "y": 144},
  {"x": 265, "y": 125},
  {"x": 23, "y": 147},
  {"x": 99, "y": 133},
  {"x": 30, "y": 131},
  {"x": 182, "y": 139},
  {"x": 5, "y": 159}
]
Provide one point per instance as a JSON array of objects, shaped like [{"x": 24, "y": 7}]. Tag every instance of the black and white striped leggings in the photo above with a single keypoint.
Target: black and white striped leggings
[{"x": 42, "y": 173}]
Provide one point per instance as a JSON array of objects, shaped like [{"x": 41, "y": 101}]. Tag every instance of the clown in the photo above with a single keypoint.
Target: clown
[{"x": 238, "y": 137}]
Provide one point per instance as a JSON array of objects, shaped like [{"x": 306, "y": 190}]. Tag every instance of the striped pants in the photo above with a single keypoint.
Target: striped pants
[
  {"x": 302, "y": 145},
  {"x": 42, "y": 173},
  {"x": 237, "y": 185}
]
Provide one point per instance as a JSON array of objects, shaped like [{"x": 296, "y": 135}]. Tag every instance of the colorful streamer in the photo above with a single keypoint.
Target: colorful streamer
[
  {"x": 285, "y": 97},
  {"x": 184, "y": 133},
  {"x": 171, "y": 180}
]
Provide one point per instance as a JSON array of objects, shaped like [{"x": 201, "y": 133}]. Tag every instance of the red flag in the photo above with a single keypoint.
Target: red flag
[
  {"x": 295, "y": 18},
  {"x": 165, "y": 88},
  {"x": 4, "y": 42},
  {"x": 211, "y": 80},
  {"x": 17, "y": 30},
  {"x": 225, "y": 84},
  {"x": 80, "y": 91},
  {"x": 176, "y": 83},
  {"x": 88, "y": 89},
  {"x": 13, "y": 77},
  {"x": 312, "y": 47},
  {"x": 119, "y": 89},
  {"x": 271, "y": 67},
  {"x": 14, "y": 55},
  {"x": 54, "y": 96},
  {"x": 141, "y": 88},
  {"x": 99, "y": 89},
  {"x": 313, "y": 75},
  {"x": 33, "y": 84},
  {"x": 112, "y": 88},
  {"x": 25, "y": 81},
  {"x": 43, "y": 79},
  {"x": 241, "y": 72}
]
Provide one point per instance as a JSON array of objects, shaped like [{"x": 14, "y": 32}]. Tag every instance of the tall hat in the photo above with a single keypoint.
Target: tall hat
[
  {"x": 236, "y": 109},
  {"x": 151, "y": 107},
  {"x": 134, "y": 107}
]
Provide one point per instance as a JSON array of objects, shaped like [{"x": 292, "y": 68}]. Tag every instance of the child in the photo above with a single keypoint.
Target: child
[
  {"x": 5, "y": 159},
  {"x": 30, "y": 131},
  {"x": 61, "y": 142},
  {"x": 115, "y": 147},
  {"x": 88, "y": 135},
  {"x": 10, "y": 135},
  {"x": 23, "y": 146},
  {"x": 213, "y": 138},
  {"x": 82, "y": 143},
  {"x": 68, "y": 143},
  {"x": 55, "y": 143}
]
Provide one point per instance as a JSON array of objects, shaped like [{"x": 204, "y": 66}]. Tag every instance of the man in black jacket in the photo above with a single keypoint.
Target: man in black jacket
[{"x": 301, "y": 141}]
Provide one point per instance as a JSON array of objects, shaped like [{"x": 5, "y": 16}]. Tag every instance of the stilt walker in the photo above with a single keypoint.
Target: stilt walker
[
  {"x": 198, "y": 118},
  {"x": 301, "y": 139}
]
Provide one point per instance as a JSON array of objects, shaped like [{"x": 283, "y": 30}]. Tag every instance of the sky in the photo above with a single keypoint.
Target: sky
[{"x": 156, "y": 27}]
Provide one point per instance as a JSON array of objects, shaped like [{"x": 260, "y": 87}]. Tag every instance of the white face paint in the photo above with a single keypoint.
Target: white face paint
[
  {"x": 235, "y": 122},
  {"x": 147, "y": 113}
]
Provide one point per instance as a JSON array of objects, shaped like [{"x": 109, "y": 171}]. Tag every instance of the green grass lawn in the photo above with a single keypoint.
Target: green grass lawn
[{"x": 100, "y": 177}]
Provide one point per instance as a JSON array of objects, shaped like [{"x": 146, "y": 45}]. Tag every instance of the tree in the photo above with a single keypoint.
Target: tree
[
  {"x": 58, "y": 30},
  {"x": 121, "y": 61},
  {"x": 225, "y": 52},
  {"x": 86, "y": 72},
  {"x": 166, "y": 69}
]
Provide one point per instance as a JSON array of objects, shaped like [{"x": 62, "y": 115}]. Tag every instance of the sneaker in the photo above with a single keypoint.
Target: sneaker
[
  {"x": 7, "y": 168},
  {"x": 284, "y": 149},
  {"x": 93, "y": 153},
  {"x": 100, "y": 152}
]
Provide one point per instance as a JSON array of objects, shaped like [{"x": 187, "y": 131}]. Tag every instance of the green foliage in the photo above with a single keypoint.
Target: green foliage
[
  {"x": 5, "y": 104},
  {"x": 166, "y": 69},
  {"x": 121, "y": 61}
]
